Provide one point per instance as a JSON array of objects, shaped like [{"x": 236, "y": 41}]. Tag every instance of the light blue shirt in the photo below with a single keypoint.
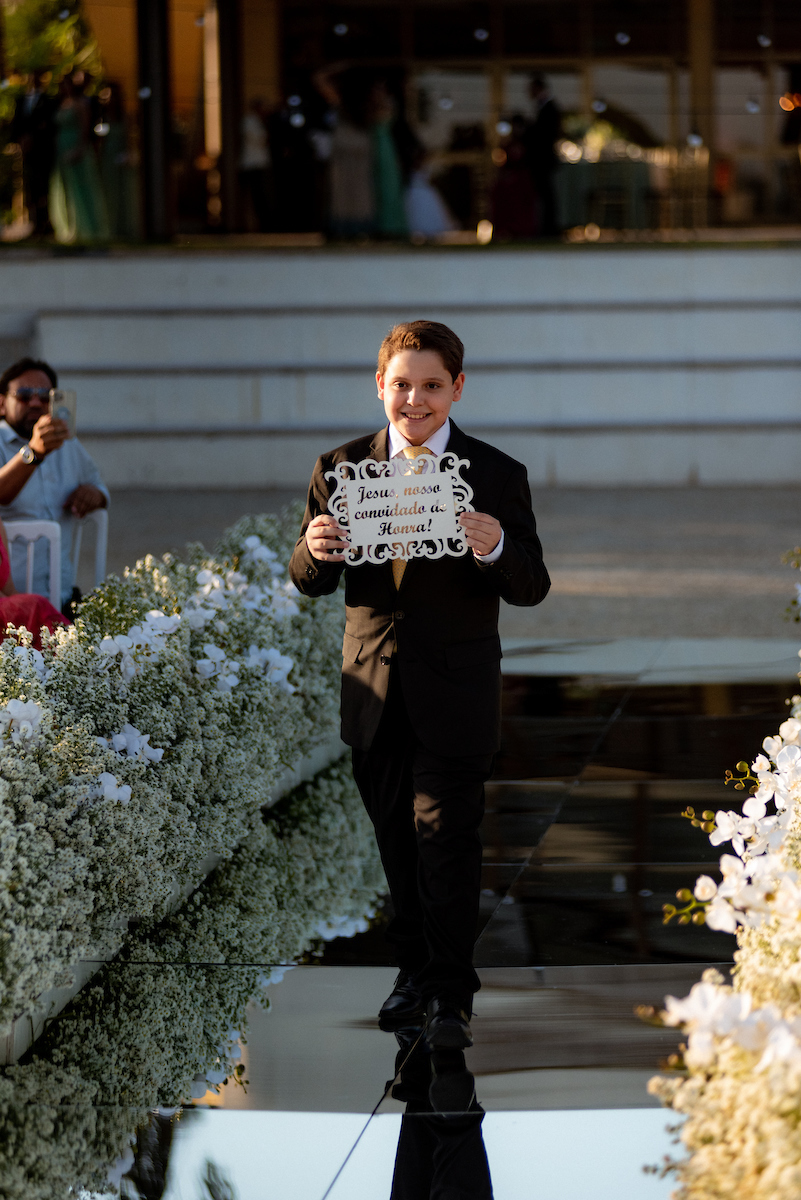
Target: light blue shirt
[
  {"x": 42, "y": 498},
  {"x": 438, "y": 444}
]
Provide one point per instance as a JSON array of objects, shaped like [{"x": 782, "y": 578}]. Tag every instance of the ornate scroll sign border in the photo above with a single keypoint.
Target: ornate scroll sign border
[{"x": 427, "y": 466}]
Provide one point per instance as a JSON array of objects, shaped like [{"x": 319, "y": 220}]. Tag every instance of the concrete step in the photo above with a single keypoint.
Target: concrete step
[
  {"x": 466, "y": 277},
  {"x": 503, "y": 337},
  {"x": 594, "y": 366}
]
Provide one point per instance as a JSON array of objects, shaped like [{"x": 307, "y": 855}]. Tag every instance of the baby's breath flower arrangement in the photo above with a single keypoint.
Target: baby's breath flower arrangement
[
  {"x": 162, "y": 1024},
  {"x": 145, "y": 739},
  {"x": 738, "y": 1078}
]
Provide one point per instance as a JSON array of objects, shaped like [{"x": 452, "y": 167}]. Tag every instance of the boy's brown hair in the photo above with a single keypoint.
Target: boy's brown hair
[{"x": 423, "y": 335}]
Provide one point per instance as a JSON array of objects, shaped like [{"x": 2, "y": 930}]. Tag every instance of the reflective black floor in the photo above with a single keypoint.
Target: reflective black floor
[{"x": 584, "y": 842}]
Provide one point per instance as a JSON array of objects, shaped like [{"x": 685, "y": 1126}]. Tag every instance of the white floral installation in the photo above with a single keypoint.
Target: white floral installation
[
  {"x": 738, "y": 1075},
  {"x": 162, "y": 1024},
  {"x": 146, "y": 738}
]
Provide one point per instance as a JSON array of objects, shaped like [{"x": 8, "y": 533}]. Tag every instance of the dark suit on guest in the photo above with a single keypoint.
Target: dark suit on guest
[
  {"x": 33, "y": 126},
  {"x": 421, "y": 702}
]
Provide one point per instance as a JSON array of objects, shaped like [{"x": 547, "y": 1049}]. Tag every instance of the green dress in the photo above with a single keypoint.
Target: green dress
[
  {"x": 119, "y": 182},
  {"x": 390, "y": 216},
  {"x": 77, "y": 210}
]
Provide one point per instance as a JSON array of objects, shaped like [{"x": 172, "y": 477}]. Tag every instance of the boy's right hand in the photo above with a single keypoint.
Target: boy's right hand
[{"x": 326, "y": 540}]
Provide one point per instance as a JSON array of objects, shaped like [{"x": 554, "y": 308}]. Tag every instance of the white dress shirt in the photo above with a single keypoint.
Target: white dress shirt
[
  {"x": 42, "y": 498},
  {"x": 438, "y": 444}
]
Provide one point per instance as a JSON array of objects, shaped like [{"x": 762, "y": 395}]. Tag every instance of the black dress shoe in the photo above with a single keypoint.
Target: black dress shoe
[
  {"x": 403, "y": 1007},
  {"x": 448, "y": 1025}
]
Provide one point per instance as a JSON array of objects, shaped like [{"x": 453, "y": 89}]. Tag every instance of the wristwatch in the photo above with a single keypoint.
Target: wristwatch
[{"x": 30, "y": 457}]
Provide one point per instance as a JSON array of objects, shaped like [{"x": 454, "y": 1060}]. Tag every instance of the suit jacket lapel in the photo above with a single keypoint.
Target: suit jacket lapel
[
  {"x": 457, "y": 442},
  {"x": 379, "y": 446}
]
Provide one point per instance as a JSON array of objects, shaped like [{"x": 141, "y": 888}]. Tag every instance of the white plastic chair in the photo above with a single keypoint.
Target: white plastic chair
[
  {"x": 30, "y": 532},
  {"x": 99, "y": 518}
]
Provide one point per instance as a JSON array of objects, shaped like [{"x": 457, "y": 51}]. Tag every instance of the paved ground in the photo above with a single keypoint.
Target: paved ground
[{"x": 626, "y": 562}]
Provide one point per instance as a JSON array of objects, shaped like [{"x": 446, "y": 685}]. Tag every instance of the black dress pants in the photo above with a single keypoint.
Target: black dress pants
[
  {"x": 426, "y": 809},
  {"x": 441, "y": 1158}
]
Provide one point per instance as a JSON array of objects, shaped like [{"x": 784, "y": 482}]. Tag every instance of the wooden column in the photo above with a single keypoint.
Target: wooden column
[
  {"x": 153, "y": 44},
  {"x": 701, "y": 50},
  {"x": 261, "y": 60},
  {"x": 230, "y": 111}
]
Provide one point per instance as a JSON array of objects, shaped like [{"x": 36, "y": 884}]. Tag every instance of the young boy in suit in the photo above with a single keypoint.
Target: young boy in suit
[{"x": 421, "y": 677}]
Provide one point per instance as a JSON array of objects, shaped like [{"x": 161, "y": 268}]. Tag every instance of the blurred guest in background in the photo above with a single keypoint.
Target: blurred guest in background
[
  {"x": 541, "y": 136},
  {"x": 427, "y": 214},
  {"x": 43, "y": 474},
  {"x": 294, "y": 167},
  {"x": 514, "y": 202},
  {"x": 33, "y": 127},
  {"x": 116, "y": 169},
  {"x": 77, "y": 208},
  {"x": 254, "y": 161},
  {"x": 390, "y": 211},
  {"x": 351, "y": 186},
  {"x": 23, "y": 609}
]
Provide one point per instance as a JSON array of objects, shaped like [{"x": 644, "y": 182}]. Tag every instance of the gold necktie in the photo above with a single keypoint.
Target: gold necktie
[{"x": 399, "y": 564}]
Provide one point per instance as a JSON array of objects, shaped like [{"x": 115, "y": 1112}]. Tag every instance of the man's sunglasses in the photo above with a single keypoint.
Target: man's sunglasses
[{"x": 26, "y": 394}]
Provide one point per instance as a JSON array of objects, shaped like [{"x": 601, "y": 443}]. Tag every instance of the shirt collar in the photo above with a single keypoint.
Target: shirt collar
[
  {"x": 437, "y": 443},
  {"x": 7, "y": 434}
]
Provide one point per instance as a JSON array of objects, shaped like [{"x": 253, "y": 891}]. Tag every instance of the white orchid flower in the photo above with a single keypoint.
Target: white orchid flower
[
  {"x": 206, "y": 668},
  {"x": 226, "y": 683},
  {"x": 162, "y": 623},
  {"x": 198, "y": 618},
  {"x": 782, "y": 1047},
  {"x": 128, "y": 667},
  {"x": 107, "y": 788},
  {"x": 705, "y": 888},
  {"x": 732, "y": 867},
  {"x": 135, "y": 744},
  {"x": 214, "y": 652},
  {"x": 20, "y": 720},
  {"x": 256, "y": 551},
  {"x": 32, "y": 658},
  {"x": 772, "y": 746},
  {"x": 754, "y": 1030},
  {"x": 731, "y": 827},
  {"x": 754, "y": 806},
  {"x": 726, "y": 826},
  {"x": 721, "y": 916},
  {"x": 790, "y": 731},
  {"x": 283, "y": 602},
  {"x": 788, "y": 763}
]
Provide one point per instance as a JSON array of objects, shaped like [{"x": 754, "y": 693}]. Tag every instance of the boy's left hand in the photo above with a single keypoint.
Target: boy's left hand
[{"x": 482, "y": 532}]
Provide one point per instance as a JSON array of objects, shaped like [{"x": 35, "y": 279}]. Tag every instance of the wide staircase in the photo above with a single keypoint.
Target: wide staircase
[{"x": 595, "y": 365}]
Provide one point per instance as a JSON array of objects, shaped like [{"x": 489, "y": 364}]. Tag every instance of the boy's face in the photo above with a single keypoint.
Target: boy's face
[{"x": 417, "y": 391}]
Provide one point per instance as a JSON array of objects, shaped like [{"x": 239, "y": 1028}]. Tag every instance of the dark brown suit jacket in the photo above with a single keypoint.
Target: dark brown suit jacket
[{"x": 444, "y": 617}]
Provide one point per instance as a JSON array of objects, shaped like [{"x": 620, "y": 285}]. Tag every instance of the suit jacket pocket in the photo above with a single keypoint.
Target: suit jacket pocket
[
  {"x": 351, "y": 648},
  {"x": 478, "y": 652}
]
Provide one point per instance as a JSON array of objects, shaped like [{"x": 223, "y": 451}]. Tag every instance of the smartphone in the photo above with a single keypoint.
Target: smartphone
[{"x": 63, "y": 404}]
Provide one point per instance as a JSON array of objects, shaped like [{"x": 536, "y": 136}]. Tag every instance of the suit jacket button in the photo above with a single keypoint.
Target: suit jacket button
[
  {"x": 385, "y": 660},
  {"x": 399, "y": 615}
]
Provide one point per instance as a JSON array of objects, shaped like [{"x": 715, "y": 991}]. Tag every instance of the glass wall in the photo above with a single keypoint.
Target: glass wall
[{"x": 381, "y": 119}]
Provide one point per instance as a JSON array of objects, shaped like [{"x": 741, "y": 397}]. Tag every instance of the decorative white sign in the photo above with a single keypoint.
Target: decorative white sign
[{"x": 404, "y": 508}]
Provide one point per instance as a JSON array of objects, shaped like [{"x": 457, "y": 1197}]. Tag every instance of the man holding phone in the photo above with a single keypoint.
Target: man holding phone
[{"x": 45, "y": 474}]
